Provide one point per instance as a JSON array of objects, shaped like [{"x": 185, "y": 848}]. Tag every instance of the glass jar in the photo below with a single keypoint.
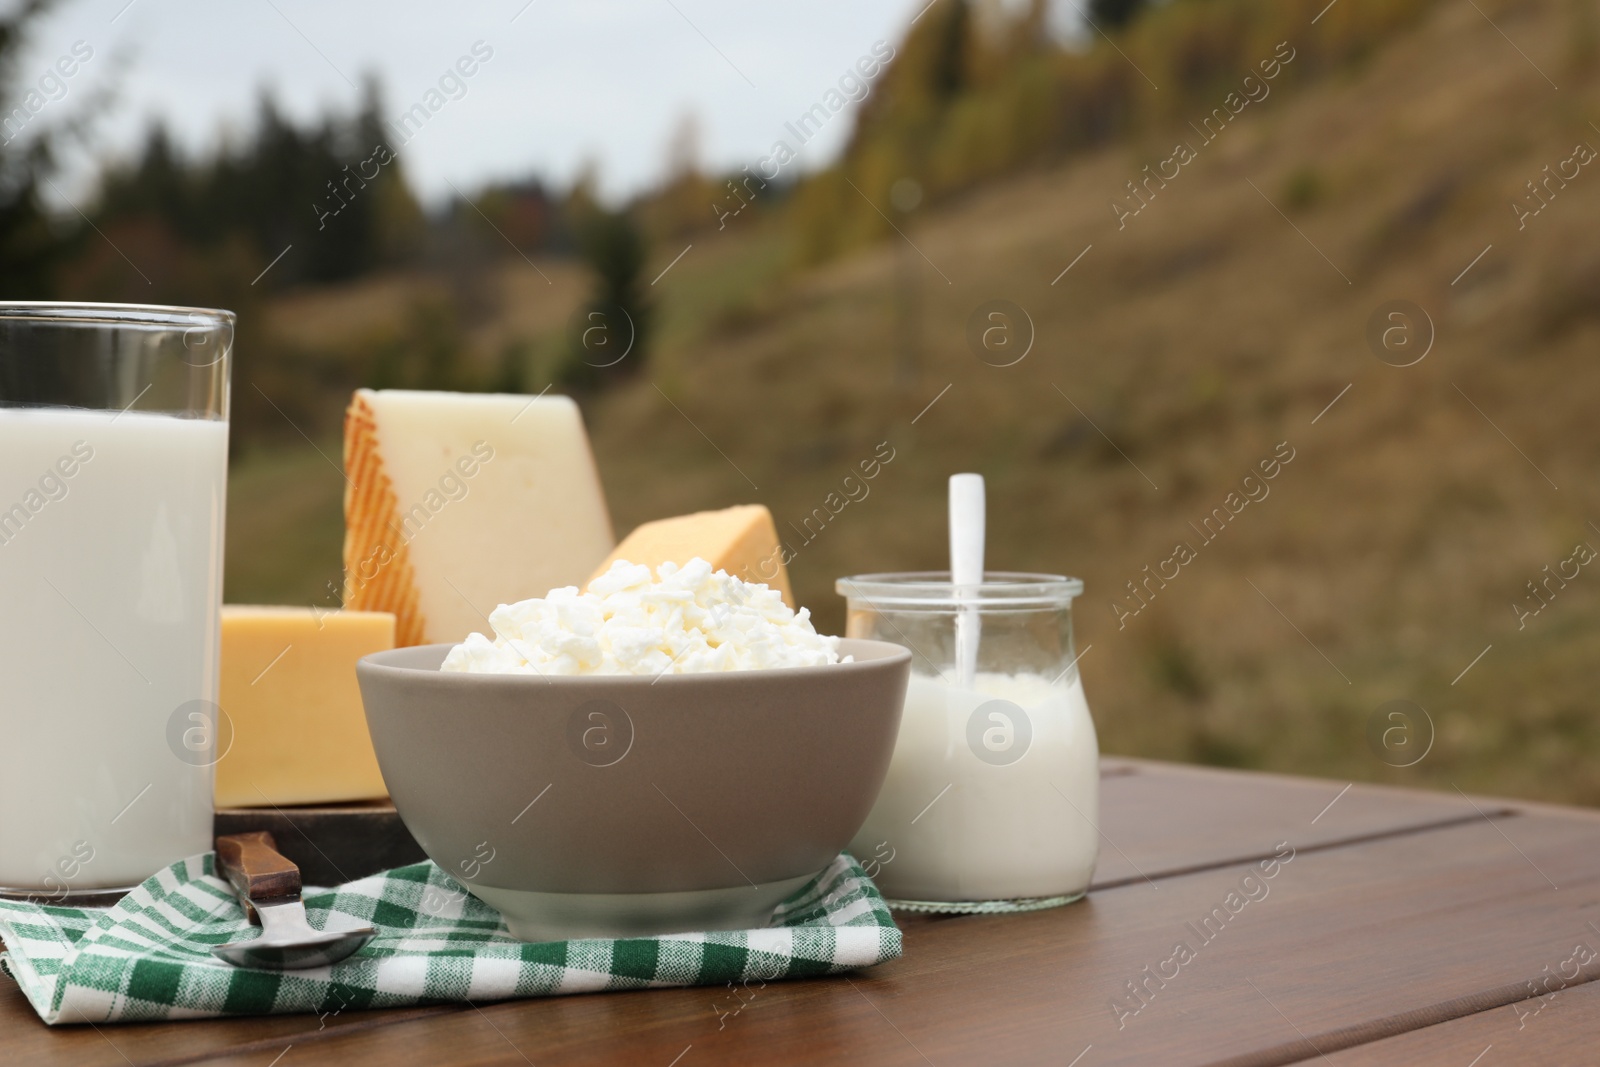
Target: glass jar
[{"x": 992, "y": 799}]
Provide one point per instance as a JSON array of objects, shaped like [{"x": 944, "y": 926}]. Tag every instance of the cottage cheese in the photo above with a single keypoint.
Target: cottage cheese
[{"x": 690, "y": 620}]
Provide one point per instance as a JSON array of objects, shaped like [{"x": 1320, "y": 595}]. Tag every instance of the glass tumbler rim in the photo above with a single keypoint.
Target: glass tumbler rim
[
  {"x": 85, "y": 312},
  {"x": 933, "y": 590}
]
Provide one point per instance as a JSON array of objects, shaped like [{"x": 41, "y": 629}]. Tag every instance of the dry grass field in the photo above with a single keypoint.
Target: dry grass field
[{"x": 1212, "y": 331}]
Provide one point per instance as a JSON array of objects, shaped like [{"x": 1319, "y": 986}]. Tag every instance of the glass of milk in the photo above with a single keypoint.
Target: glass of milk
[
  {"x": 993, "y": 793},
  {"x": 113, "y": 464}
]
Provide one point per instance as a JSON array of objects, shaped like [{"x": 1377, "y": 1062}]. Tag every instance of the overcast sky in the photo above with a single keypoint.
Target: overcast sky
[{"x": 568, "y": 81}]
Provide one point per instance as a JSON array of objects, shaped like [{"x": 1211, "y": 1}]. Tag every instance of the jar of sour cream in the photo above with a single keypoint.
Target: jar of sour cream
[{"x": 992, "y": 798}]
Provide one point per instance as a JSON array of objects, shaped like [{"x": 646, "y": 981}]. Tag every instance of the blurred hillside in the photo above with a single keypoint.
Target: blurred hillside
[{"x": 1177, "y": 341}]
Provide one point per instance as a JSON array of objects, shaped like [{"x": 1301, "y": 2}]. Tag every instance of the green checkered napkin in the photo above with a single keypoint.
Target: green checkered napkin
[{"x": 149, "y": 957}]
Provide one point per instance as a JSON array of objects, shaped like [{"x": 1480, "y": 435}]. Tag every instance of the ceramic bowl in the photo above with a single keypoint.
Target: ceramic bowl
[{"x": 630, "y": 806}]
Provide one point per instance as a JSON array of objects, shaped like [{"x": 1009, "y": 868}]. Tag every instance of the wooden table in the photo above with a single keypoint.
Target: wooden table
[{"x": 1397, "y": 927}]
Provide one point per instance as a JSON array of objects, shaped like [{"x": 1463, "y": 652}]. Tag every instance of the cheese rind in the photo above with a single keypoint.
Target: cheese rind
[
  {"x": 289, "y": 689},
  {"x": 741, "y": 540},
  {"x": 377, "y": 563},
  {"x": 458, "y": 503}
]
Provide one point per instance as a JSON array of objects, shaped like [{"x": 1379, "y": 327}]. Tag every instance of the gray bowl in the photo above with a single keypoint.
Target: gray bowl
[{"x": 630, "y": 806}]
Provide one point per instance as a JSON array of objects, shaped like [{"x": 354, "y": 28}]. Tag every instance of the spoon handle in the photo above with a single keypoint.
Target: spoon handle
[
  {"x": 252, "y": 865},
  {"x": 967, "y": 522}
]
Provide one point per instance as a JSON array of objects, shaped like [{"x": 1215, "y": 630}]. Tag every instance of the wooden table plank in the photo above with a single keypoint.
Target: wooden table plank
[
  {"x": 816, "y": 1021},
  {"x": 26, "y": 1040},
  {"x": 1554, "y": 1029},
  {"x": 1346, "y": 936},
  {"x": 1385, "y": 934},
  {"x": 1383, "y": 925},
  {"x": 1164, "y": 818},
  {"x": 1381, "y": 917}
]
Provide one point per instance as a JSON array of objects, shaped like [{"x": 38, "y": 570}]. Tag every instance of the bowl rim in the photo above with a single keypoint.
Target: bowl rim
[{"x": 880, "y": 655}]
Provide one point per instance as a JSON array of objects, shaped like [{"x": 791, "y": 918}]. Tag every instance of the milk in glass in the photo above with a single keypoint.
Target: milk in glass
[
  {"x": 110, "y": 582},
  {"x": 983, "y": 803}
]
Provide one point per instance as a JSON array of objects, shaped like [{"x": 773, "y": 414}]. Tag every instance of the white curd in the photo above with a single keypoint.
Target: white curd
[{"x": 689, "y": 620}]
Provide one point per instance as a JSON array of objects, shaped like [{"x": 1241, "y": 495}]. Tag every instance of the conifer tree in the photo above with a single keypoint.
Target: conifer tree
[
  {"x": 29, "y": 250},
  {"x": 1115, "y": 14}
]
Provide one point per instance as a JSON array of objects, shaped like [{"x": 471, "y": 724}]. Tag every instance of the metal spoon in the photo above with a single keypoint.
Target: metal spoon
[{"x": 268, "y": 885}]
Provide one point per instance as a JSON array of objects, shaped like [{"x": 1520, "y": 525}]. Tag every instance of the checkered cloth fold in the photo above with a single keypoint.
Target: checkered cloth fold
[{"x": 149, "y": 957}]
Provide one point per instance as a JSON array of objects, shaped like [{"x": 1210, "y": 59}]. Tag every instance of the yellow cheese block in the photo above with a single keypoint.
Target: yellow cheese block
[
  {"x": 289, "y": 689},
  {"x": 458, "y": 503},
  {"x": 740, "y": 540}
]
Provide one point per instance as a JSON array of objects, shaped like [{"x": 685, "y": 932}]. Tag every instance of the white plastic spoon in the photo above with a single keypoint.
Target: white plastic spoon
[{"x": 967, "y": 518}]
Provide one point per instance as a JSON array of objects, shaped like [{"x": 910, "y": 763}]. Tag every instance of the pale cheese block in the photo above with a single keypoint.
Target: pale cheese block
[
  {"x": 741, "y": 540},
  {"x": 299, "y": 735},
  {"x": 460, "y": 502}
]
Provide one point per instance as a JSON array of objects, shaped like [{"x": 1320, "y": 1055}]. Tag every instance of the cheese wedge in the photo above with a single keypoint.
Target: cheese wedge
[
  {"x": 460, "y": 502},
  {"x": 740, "y": 540},
  {"x": 289, "y": 690}
]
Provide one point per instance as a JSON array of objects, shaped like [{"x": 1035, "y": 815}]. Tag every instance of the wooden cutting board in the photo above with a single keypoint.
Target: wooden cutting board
[{"x": 331, "y": 844}]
